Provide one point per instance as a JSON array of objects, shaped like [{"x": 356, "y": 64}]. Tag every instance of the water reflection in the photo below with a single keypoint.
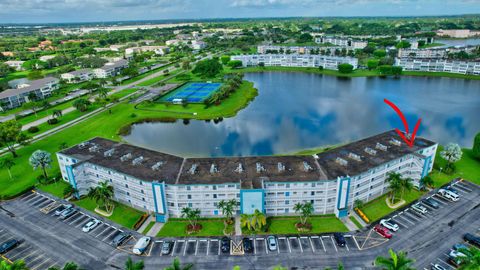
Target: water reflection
[{"x": 296, "y": 111}]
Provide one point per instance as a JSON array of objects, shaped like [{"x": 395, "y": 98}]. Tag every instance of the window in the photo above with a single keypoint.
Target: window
[
  {"x": 214, "y": 196},
  {"x": 286, "y": 210},
  {"x": 214, "y": 187},
  {"x": 141, "y": 183},
  {"x": 128, "y": 193},
  {"x": 287, "y": 193},
  {"x": 312, "y": 201},
  {"x": 97, "y": 175},
  {"x": 312, "y": 193},
  {"x": 126, "y": 185},
  {"x": 313, "y": 184},
  {"x": 189, "y": 188},
  {"x": 143, "y": 199},
  {"x": 287, "y": 185},
  {"x": 143, "y": 192},
  {"x": 172, "y": 204},
  {"x": 189, "y": 196},
  {"x": 190, "y": 204},
  {"x": 111, "y": 180},
  {"x": 287, "y": 202},
  {"x": 124, "y": 177}
]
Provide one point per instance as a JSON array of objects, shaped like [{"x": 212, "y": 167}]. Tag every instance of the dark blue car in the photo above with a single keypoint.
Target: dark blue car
[{"x": 9, "y": 245}]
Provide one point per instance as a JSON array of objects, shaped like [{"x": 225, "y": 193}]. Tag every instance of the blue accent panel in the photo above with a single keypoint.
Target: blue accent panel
[
  {"x": 242, "y": 199},
  {"x": 215, "y": 212},
  {"x": 340, "y": 192},
  {"x": 160, "y": 217},
  {"x": 71, "y": 179},
  {"x": 342, "y": 213},
  {"x": 426, "y": 165}
]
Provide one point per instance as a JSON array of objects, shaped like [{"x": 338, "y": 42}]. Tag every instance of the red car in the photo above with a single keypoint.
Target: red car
[{"x": 382, "y": 231}]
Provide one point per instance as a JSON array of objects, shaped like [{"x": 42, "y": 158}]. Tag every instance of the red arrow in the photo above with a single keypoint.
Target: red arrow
[{"x": 407, "y": 138}]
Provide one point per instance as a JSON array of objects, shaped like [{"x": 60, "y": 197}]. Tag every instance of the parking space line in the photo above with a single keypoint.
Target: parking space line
[
  {"x": 405, "y": 219},
  {"x": 82, "y": 221},
  {"x": 311, "y": 244},
  {"x": 346, "y": 245},
  {"x": 356, "y": 243},
  {"x": 208, "y": 246},
  {"x": 68, "y": 218},
  {"x": 323, "y": 245},
  {"x": 196, "y": 248},
  {"x": 28, "y": 197},
  {"x": 444, "y": 263},
  {"x": 299, "y": 244},
  {"x": 108, "y": 228},
  {"x": 218, "y": 249},
  {"x": 266, "y": 249},
  {"x": 14, "y": 257},
  {"x": 150, "y": 250},
  {"x": 41, "y": 256},
  {"x": 77, "y": 217},
  {"x": 254, "y": 246},
  {"x": 288, "y": 243},
  {"x": 333, "y": 242},
  {"x": 110, "y": 234},
  {"x": 173, "y": 249},
  {"x": 33, "y": 197},
  {"x": 38, "y": 265},
  {"x": 30, "y": 254}
]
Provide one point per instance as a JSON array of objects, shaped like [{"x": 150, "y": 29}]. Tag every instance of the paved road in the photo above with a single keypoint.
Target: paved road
[{"x": 426, "y": 237}]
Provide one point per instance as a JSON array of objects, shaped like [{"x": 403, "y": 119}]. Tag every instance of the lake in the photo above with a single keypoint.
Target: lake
[{"x": 295, "y": 111}]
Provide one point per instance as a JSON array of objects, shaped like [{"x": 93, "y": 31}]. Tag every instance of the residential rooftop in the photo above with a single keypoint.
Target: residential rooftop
[
  {"x": 351, "y": 159},
  {"x": 32, "y": 86}
]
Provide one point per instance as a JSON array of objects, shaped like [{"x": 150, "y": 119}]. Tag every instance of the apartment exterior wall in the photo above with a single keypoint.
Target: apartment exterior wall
[
  {"x": 295, "y": 60},
  {"x": 16, "y": 99},
  {"x": 439, "y": 65}
]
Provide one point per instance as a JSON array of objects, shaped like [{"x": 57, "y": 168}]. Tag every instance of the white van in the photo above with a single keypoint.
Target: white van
[
  {"x": 447, "y": 194},
  {"x": 141, "y": 245}
]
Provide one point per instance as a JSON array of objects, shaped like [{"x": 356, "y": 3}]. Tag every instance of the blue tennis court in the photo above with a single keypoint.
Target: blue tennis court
[{"x": 191, "y": 92}]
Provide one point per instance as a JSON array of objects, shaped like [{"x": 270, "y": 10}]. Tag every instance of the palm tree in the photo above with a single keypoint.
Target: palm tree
[
  {"x": 81, "y": 104},
  {"x": 192, "y": 215},
  {"x": 67, "y": 266},
  {"x": 305, "y": 210},
  {"x": 255, "y": 221},
  {"x": 176, "y": 265},
  {"x": 227, "y": 207},
  {"x": 396, "y": 261},
  {"x": 427, "y": 181},
  {"x": 16, "y": 265},
  {"x": 102, "y": 92},
  {"x": 406, "y": 184},
  {"x": 7, "y": 163},
  {"x": 471, "y": 261},
  {"x": 41, "y": 159},
  {"x": 394, "y": 181},
  {"x": 57, "y": 113},
  {"x": 130, "y": 265},
  {"x": 102, "y": 194}
]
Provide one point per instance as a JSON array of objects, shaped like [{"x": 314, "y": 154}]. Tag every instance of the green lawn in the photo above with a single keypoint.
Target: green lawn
[
  {"x": 467, "y": 168},
  {"x": 355, "y": 221},
  {"x": 286, "y": 225},
  {"x": 149, "y": 226},
  {"x": 431, "y": 45},
  {"x": 107, "y": 125},
  {"x": 54, "y": 188},
  {"x": 122, "y": 214},
  {"x": 146, "y": 74},
  {"x": 177, "y": 228},
  {"x": 378, "y": 208}
]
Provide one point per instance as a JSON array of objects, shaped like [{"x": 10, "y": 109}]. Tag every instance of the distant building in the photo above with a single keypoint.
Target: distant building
[
  {"x": 439, "y": 65},
  {"x": 8, "y": 54},
  {"x": 422, "y": 53},
  {"x": 160, "y": 50},
  {"x": 198, "y": 45},
  {"x": 163, "y": 184},
  {"x": 174, "y": 42},
  {"x": 45, "y": 58},
  {"x": 110, "y": 69},
  {"x": 17, "y": 65},
  {"x": 341, "y": 41},
  {"x": 457, "y": 33},
  {"x": 295, "y": 60},
  {"x": 77, "y": 76},
  {"x": 12, "y": 98},
  {"x": 278, "y": 49}
]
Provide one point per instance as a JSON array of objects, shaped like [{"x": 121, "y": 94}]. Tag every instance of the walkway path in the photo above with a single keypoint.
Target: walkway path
[
  {"x": 145, "y": 224},
  {"x": 155, "y": 229},
  {"x": 238, "y": 226},
  {"x": 350, "y": 225},
  {"x": 358, "y": 218}
]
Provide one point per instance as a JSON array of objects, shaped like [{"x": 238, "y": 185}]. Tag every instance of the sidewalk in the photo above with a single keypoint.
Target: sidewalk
[
  {"x": 238, "y": 227},
  {"x": 350, "y": 225},
  {"x": 145, "y": 224},
  {"x": 155, "y": 229}
]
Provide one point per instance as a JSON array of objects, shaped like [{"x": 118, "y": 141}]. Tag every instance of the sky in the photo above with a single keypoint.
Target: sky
[{"x": 51, "y": 11}]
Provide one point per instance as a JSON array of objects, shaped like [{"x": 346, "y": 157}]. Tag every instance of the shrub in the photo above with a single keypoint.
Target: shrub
[
  {"x": 52, "y": 121},
  {"x": 33, "y": 129},
  {"x": 476, "y": 146},
  {"x": 133, "y": 115},
  {"x": 140, "y": 221},
  {"x": 345, "y": 68}
]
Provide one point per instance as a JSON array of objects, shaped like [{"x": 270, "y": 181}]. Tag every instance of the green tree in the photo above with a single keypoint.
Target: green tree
[
  {"x": 102, "y": 92},
  {"x": 396, "y": 261},
  {"x": 67, "y": 266},
  {"x": 451, "y": 153},
  {"x": 227, "y": 207},
  {"x": 11, "y": 134},
  {"x": 305, "y": 210},
  {"x": 176, "y": 265},
  {"x": 255, "y": 221},
  {"x": 427, "y": 181},
  {"x": 41, "y": 159},
  {"x": 235, "y": 64},
  {"x": 406, "y": 184},
  {"x": 16, "y": 265},
  {"x": 57, "y": 113},
  {"x": 208, "y": 68},
  {"x": 379, "y": 53},
  {"x": 35, "y": 106},
  {"x": 394, "y": 184},
  {"x": 102, "y": 194},
  {"x": 476, "y": 146},
  {"x": 81, "y": 104},
  {"x": 130, "y": 265},
  {"x": 403, "y": 44},
  {"x": 304, "y": 38},
  {"x": 358, "y": 204},
  {"x": 471, "y": 261},
  {"x": 7, "y": 163},
  {"x": 225, "y": 59},
  {"x": 34, "y": 75},
  {"x": 345, "y": 68},
  {"x": 192, "y": 215},
  {"x": 372, "y": 64}
]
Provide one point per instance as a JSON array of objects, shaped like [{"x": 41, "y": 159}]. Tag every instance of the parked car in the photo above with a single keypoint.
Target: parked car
[
  {"x": 9, "y": 245},
  {"x": 120, "y": 238},
  {"x": 389, "y": 224},
  {"x": 225, "y": 244},
  {"x": 459, "y": 246},
  {"x": 272, "y": 243},
  {"x": 141, "y": 245},
  {"x": 432, "y": 203},
  {"x": 340, "y": 239},
  {"x": 438, "y": 267},
  {"x": 419, "y": 208},
  {"x": 62, "y": 208},
  {"x": 247, "y": 245},
  {"x": 68, "y": 213},
  {"x": 92, "y": 224},
  {"x": 453, "y": 257},
  {"x": 450, "y": 188},
  {"x": 382, "y": 231},
  {"x": 472, "y": 239},
  {"x": 167, "y": 247},
  {"x": 447, "y": 194}
]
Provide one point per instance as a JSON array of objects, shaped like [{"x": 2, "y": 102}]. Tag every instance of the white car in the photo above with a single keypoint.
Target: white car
[
  {"x": 92, "y": 224},
  {"x": 272, "y": 243},
  {"x": 438, "y": 267},
  {"x": 449, "y": 195},
  {"x": 141, "y": 245},
  {"x": 387, "y": 223},
  {"x": 419, "y": 208}
]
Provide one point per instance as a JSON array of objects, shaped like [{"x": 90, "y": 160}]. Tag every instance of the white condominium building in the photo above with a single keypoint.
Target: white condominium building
[
  {"x": 42, "y": 88},
  {"x": 295, "y": 60},
  {"x": 77, "y": 76},
  {"x": 110, "y": 69},
  {"x": 160, "y": 50},
  {"x": 439, "y": 65},
  {"x": 274, "y": 49},
  {"x": 163, "y": 184},
  {"x": 341, "y": 41}
]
